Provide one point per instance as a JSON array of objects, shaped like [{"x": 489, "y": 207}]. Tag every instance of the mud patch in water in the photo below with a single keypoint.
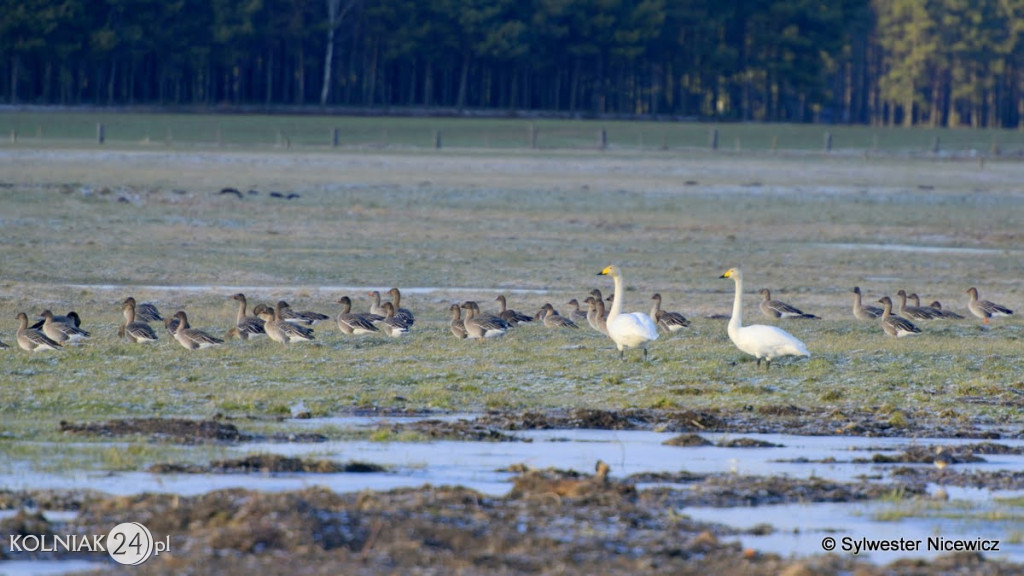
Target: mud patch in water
[
  {"x": 267, "y": 464},
  {"x": 179, "y": 430},
  {"x": 727, "y": 490},
  {"x": 938, "y": 455},
  {"x": 991, "y": 480},
  {"x": 440, "y": 530},
  {"x": 460, "y": 430},
  {"x": 781, "y": 419}
]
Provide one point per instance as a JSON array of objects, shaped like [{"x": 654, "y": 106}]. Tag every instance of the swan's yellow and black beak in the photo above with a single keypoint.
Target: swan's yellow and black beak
[
  {"x": 728, "y": 274},
  {"x": 605, "y": 272}
]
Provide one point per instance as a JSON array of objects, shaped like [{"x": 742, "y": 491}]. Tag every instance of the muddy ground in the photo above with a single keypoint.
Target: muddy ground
[{"x": 550, "y": 522}]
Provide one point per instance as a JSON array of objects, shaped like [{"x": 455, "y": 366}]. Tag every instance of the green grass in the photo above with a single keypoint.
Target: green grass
[
  {"x": 174, "y": 131},
  {"x": 473, "y": 223},
  {"x": 959, "y": 510},
  {"x": 125, "y": 455}
]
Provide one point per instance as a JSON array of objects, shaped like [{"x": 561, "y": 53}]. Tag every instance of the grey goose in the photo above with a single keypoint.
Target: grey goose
[
  {"x": 862, "y": 312},
  {"x": 508, "y": 315},
  {"x": 192, "y": 338},
  {"x": 894, "y": 325},
  {"x": 353, "y": 322},
  {"x": 32, "y": 339},
  {"x": 778, "y": 309},
  {"x": 667, "y": 321},
  {"x": 138, "y": 332},
  {"x": 985, "y": 309}
]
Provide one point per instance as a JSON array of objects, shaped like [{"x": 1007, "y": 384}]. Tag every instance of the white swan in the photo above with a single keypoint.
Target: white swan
[
  {"x": 760, "y": 341},
  {"x": 629, "y": 330}
]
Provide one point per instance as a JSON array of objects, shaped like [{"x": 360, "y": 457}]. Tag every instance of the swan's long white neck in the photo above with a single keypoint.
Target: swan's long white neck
[
  {"x": 619, "y": 297},
  {"x": 736, "y": 322}
]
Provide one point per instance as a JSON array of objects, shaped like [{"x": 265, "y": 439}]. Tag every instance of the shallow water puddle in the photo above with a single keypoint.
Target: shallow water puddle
[
  {"x": 46, "y": 567},
  {"x": 914, "y": 249},
  {"x": 798, "y": 528}
]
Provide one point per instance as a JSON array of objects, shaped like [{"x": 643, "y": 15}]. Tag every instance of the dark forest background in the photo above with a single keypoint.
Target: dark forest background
[{"x": 877, "y": 62}]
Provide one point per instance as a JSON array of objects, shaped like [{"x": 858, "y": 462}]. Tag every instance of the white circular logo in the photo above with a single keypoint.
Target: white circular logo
[{"x": 130, "y": 543}]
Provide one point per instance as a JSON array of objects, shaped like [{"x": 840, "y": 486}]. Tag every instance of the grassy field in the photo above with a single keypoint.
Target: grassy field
[
  {"x": 233, "y": 131},
  {"x": 86, "y": 226}
]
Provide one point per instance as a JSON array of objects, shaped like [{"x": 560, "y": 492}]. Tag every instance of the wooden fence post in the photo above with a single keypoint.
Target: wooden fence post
[
  {"x": 602, "y": 137},
  {"x": 335, "y": 136},
  {"x": 437, "y": 139},
  {"x": 935, "y": 145},
  {"x": 101, "y": 135},
  {"x": 713, "y": 139},
  {"x": 828, "y": 142}
]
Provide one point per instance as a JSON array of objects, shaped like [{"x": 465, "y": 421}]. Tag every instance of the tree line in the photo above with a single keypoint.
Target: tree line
[{"x": 903, "y": 62}]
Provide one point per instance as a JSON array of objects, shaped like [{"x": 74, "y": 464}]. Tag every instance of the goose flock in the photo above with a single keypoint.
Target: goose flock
[{"x": 626, "y": 330}]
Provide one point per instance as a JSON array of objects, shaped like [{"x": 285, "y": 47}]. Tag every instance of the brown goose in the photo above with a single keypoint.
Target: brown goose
[
  {"x": 510, "y": 316},
  {"x": 404, "y": 315},
  {"x": 306, "y": 318},
  {"x": 354, "y": 323},
  {"x": 172, "y": 323},
  {"x": 915, "y": 312},
  {"x": 893, "y": 325},
  {"x": 601, "y": 300},
  {"x": 553, "y": 319},
  {"x": 71, "y": 318},
  {"x": 375, "y": 307},
  {"x": 861, "y": 311},
  {"x": 392, "y": 325},
  {"x": 31, "y": 339},
  {"x": 596, "y": 315},
  {"x": 575, "y": 314},
  {"x": 938, "y": 306},
  {"x": 983, "y": 308},
  {"x": 281, "y": 331},
  {"x": 60, "y": 331},
  {"x": 457, "y": 326},
  {"x": 935, "y": 306},
  {"x": 479, "y": 326},
  {"x": 192, "y": 338},
  {"x": 667, "y": 321},
  {"x": 139, "y": 332},
  {"x": 145, "y": 312},
  {"x": 778, "y": 309},
  {"x": 245, "y": 325}
]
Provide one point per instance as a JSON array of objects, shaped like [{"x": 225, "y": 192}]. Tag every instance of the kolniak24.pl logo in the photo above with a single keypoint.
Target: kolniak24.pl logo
[{"x": 128, "y": 543}]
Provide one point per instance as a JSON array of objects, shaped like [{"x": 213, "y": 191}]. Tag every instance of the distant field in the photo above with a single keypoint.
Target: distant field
[
  {"x": 163, "y": 131},
  {"x": 85, "y": 226}
]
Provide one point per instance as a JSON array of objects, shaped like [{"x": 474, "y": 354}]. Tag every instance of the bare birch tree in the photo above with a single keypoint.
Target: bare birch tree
[{"x": 336, "y": 11}]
